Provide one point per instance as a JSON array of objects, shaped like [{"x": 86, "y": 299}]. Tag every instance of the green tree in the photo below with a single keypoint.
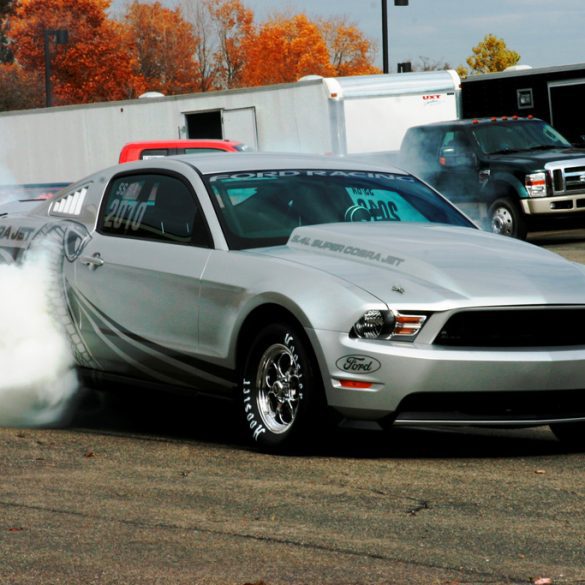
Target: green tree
[{"x": 491, "y": 55}]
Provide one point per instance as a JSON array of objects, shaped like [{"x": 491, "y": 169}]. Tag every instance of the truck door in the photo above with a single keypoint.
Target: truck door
[{"x": 458, "y": 177}]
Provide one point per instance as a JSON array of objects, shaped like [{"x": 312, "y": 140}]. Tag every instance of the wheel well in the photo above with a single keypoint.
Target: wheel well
[
  {"x": 259, "y": 318},
  {"x": 501, "y": 190}
]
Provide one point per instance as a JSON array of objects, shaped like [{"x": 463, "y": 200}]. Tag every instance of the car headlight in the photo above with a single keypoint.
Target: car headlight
[
  {"x": 377, "y": 324},
  {"x": 535, "y": 184}
]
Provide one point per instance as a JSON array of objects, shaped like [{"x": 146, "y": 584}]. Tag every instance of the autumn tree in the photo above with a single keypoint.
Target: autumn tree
[
  {"x": 491, "y": 55},
  {"x": 6, "y": 9},
  {"x": 205, "y": 58},
  {"x": 97, "y": 63},
  {"x": 350, "y": 53},
  {"x": 233, "y": 24},
  {"x": 20, "y": 89},
  {"x": 165, "y": 45},
  {"x": 284, "y": 50}
]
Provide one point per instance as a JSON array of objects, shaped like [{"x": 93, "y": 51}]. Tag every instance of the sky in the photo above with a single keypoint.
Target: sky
[{"x": 543, "y": 32}]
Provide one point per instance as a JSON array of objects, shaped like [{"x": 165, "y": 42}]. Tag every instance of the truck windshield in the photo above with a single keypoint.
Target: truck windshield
[
  {"x": 517, "y": 135},
  {"x": 262, "y": 208}
]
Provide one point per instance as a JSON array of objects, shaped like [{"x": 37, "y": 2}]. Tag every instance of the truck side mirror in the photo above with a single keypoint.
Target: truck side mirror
[{"x": 457, "y": 157}]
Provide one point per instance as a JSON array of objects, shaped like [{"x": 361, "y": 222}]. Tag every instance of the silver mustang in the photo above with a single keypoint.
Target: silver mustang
[{"x": 305, "y": 286}]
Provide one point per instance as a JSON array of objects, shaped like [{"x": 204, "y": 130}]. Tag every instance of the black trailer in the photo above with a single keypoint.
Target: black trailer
[{"x": 554, "y": 94}]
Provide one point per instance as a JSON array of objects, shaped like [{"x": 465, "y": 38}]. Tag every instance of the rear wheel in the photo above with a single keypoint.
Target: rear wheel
[
  {"x": 280, "y": 392},
  {"x": 506, "y": 219},
  {"x": 570, "y": 434}
]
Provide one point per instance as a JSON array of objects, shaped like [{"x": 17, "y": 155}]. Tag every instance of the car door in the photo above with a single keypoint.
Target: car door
[{"x": 137, "y": 282}]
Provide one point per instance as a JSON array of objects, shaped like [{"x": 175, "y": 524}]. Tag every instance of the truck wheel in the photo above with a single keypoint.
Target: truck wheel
[
  {"x": 505, "y": 219},
  {"x": 280, "y": 393},
  {"x": 570, "y": 434}
]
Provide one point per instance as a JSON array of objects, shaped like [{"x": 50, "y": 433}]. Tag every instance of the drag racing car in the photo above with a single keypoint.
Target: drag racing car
[{"x": 308, "y": 289}]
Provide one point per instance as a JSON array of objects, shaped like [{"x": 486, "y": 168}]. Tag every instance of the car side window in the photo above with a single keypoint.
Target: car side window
[{"x": 153, "y": 207}]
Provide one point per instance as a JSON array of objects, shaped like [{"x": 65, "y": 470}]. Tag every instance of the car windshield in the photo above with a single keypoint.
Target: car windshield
[
  {"x": 262, "y": 208},
  {"x": 501, "y": 137}
]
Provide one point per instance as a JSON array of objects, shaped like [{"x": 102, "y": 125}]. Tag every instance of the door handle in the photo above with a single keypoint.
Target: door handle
[{"x": 92, "y": 262}]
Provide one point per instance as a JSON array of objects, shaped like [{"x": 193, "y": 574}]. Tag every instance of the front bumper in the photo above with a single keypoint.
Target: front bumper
[
  {"x": 560, "y": 205},
  {"x": 420, "y": 383}
]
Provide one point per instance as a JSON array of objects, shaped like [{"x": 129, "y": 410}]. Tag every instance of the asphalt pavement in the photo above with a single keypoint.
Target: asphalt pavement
[{"x": 162, "y": 491}]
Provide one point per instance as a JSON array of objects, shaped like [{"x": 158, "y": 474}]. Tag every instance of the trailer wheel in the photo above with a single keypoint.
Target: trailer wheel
[{"x": 506, "y": 219}]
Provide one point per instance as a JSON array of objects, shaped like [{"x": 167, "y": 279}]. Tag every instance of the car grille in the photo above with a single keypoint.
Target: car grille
[
  {"x": 492, "y": 406},
  {"x": 534, "y": 327}
]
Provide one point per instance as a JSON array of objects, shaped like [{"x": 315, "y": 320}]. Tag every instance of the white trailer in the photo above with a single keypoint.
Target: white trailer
[{"x": 349, "y": 115}]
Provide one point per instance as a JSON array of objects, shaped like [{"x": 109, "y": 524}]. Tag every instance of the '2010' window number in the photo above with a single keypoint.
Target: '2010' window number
[{"x": 129, "y": 212}]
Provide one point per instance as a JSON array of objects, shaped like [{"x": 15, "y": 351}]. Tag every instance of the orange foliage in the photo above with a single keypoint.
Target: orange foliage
[
  {"x": 19, "y": 89},
  {"x": 97, "y": 63},
  {"x": 153, "y": 47},
  {"x": 234, "y": 26},
  {"x": 165, "y": 46},
  {"x": 350, "y": 52},
  {"x": 284, "y": 50}
]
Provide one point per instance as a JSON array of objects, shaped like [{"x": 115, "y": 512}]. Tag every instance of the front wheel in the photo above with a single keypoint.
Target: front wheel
[
  {"x": 506, "y": 219},
  {"x": 571, "y": 434},
  {"x": 280, "y": 392}
]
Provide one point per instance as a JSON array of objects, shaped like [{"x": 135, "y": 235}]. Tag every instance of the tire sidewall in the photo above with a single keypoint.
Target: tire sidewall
[
  {"x": 253, "y": 427},
  {"x": 519, "y": 224}
]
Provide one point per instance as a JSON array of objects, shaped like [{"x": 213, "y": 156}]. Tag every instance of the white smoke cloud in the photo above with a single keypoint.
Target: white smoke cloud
[{"x": 37, "y": 379}]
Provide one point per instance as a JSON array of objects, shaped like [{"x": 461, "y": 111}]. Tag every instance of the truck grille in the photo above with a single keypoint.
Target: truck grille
[
  {"x": 521, "y": 327},
  {"x": 568, "y": 180}
]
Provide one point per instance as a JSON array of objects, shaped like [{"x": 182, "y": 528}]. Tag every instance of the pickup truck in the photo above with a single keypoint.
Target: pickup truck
[
  {"x": 511, "y": 174},
  {"x": 146, "y": 149}
]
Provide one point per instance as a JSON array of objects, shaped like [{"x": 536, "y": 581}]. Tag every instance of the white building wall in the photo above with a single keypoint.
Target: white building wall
[{"x": 64, "y": 144}]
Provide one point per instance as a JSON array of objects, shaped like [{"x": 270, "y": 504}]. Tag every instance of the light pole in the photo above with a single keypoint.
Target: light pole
[
  {"x": 385, "y": 66},
  {"x": 61, "y": 37}
]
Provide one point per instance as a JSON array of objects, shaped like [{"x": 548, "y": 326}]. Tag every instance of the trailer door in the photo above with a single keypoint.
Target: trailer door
[
  {"x": 567, "y": 115},
  {"x": 240, "y": 124}
]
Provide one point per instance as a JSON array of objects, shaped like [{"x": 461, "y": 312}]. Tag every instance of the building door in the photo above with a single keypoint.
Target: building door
[{"x": 567, "y": 115}]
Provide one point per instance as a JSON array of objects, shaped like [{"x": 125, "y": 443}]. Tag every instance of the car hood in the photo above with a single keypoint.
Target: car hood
[{"x": 422, "y": 264}]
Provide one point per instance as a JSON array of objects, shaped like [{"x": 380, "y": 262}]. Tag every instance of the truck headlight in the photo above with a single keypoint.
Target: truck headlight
[
  {"x": 376, "y": 324},
  {"x": 536, "y": 184}
]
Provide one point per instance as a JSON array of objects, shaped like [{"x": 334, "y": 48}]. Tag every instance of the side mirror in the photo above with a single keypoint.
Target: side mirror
[{"x": 457, "y": 157}]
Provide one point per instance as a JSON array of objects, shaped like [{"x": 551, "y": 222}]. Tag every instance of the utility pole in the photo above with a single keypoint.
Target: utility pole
[
  {"x": 61, "y": 37},
  {"x": 385, "y": 65}
]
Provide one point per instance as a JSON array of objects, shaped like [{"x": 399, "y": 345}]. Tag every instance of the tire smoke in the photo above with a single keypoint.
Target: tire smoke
[{"x": 37, "y": 379}]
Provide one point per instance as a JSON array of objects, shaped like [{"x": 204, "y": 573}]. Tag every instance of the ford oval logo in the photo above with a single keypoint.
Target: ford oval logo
[{"x": 358, "y": 364}]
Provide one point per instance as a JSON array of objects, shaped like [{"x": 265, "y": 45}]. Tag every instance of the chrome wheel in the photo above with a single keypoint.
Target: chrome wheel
[
  {"x": 503, "y": 221},
  {"x": 278, "y": 384}
]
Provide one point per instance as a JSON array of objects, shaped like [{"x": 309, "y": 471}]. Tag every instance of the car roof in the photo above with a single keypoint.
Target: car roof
[
  {"x": 181, "y": 142},
  {"x": 476, "y": 121},
  {"x": 258, "y": 161}
]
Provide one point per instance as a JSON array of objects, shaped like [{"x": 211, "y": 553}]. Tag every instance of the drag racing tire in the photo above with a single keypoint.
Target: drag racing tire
[
  {"x": 281, "y": 397},
  {"x": 505, "y": 218}
]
